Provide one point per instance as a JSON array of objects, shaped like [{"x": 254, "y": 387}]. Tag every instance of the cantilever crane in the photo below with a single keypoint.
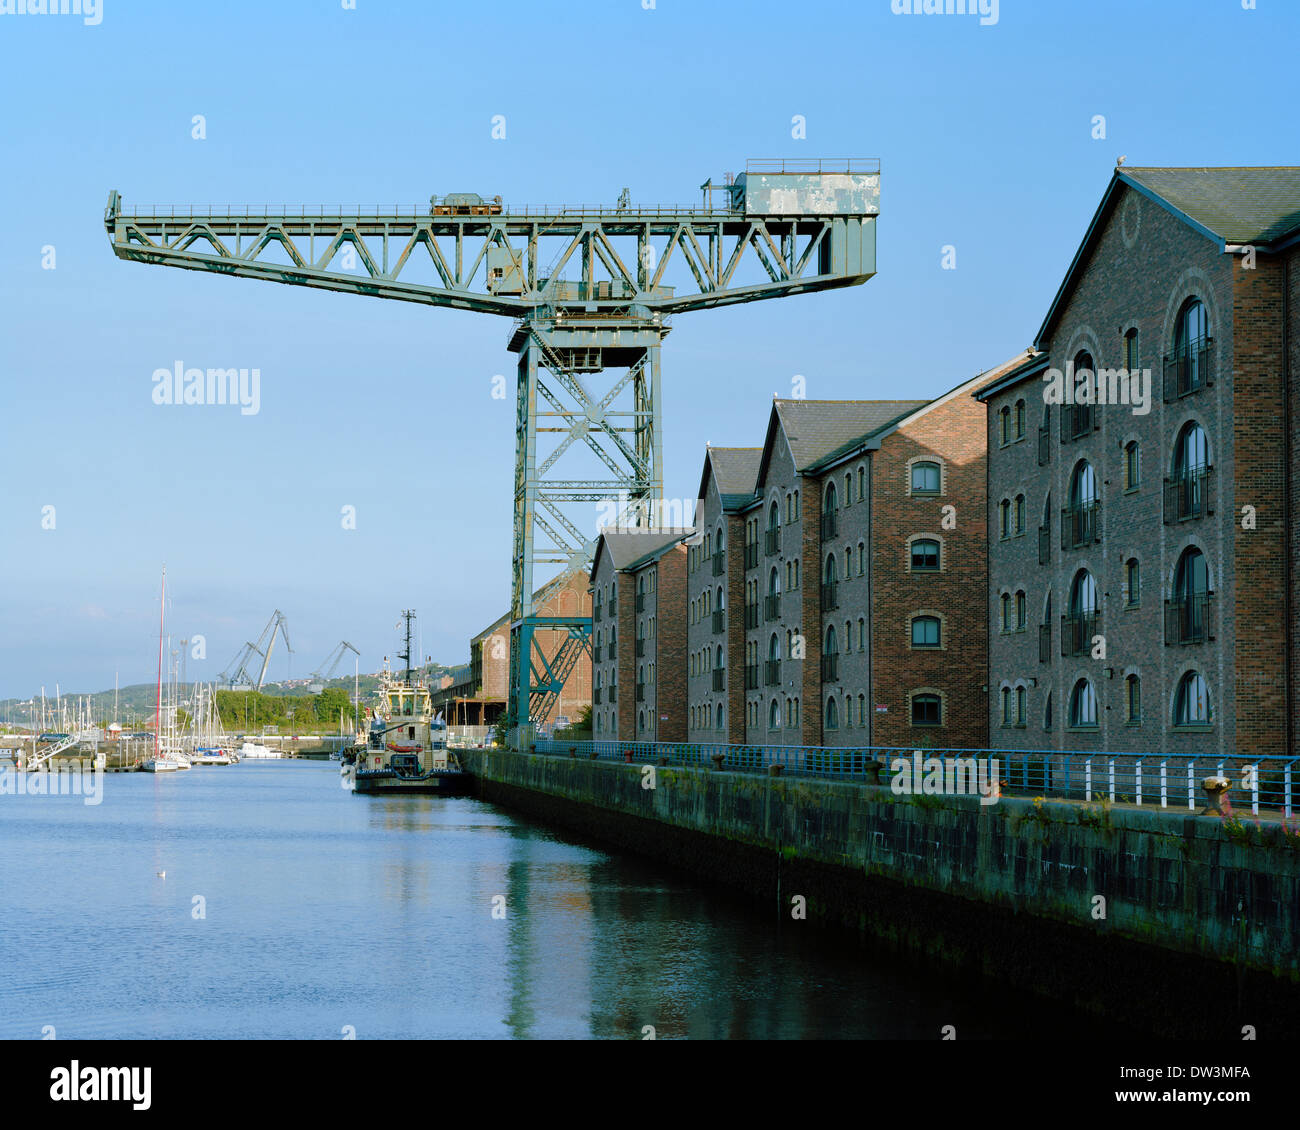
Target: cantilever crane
[
  {"x": 236, "y": 675},
  {"x": 325, "y": 672},
  {"x": 779, "y": 228}
]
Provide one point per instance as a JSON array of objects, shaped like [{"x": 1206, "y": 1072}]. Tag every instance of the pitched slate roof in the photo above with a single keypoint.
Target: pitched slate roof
[
  {"x": 816, "y": 428},
  {"x": 627, "y": 548},
  {"x": 1238, "y": 204},
  {"x": 1232, "y": 205},
  {"x": 735, "y": 470}
]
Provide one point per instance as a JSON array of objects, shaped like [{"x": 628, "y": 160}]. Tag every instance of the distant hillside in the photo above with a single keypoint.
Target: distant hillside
[{"x": 137, "y": 701}]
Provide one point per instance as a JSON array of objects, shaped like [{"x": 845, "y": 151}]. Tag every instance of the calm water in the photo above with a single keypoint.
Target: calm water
[{"x": 325, "y": 910}]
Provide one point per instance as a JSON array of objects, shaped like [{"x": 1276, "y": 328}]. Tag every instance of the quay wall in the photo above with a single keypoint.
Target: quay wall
[{"x": 1196, "y": 936}]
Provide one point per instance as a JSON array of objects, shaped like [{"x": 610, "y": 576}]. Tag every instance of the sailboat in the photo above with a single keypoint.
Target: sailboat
[{"x": 161, "y": 761}]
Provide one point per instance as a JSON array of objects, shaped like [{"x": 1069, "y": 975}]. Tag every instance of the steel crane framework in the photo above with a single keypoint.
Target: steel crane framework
[{"x": 588, "y": 390}]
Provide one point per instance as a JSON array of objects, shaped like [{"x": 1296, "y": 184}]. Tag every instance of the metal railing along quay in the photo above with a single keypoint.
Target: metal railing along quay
[{"x": 1168, "y": 781}]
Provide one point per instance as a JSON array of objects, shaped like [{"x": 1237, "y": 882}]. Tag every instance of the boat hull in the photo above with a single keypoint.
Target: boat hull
[{"x": 446, "y": 782}]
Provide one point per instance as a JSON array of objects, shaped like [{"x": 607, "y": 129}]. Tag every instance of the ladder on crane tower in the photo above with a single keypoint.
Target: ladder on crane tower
[{"x": 784, "y": 227}]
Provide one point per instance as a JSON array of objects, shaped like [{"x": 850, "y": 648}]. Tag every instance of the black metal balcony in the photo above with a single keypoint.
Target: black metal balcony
[
  {"x": 595, "y": 614},
  {"x": 613, "y": 694},
  {"x": 830, "y": 667},
  {"x": 772, "y": 607},
  {"x": 1080, "y": 525},
  {"x": 1044, "y": 544},
  {"x": 830, "y": 524},
  {"x": 640, "y": 692},
  {"x": 719, "y": 563},
  {"x": 1187, "y": 619},
  {"x": 1077, "y": 633},
  {"x": 1044, "y": 446},
  {"x": 640, "y": 602},
  {"x": 1189, "y": 496},
  {"x": 640, "y": 648},
  {"x": 719, "y": 621},
  {"x": 751, "y": 677},
  {"x": 751, "y": 555},
  {"x": 719, "y": 678},
  {"x": 595, "y": 655},
  {"x": 613, "y": 653},
  {"x": 772, "y": 673},
  {"x": 1189, "y": 371},
  {"x": 751, "y": 616},
  {"x": 830, "y": 597},
  {"x": 612, "y": 610},
  {"x": 772, "y": 541},
  {"x": 1045, "y": 643},
  {"x": 1077, "y": 421}
]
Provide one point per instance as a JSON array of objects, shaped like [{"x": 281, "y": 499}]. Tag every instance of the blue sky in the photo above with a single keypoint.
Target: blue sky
[{"x": 985, "y": 139}]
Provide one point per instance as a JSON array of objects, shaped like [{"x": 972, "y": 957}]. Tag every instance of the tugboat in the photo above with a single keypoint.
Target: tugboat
[{"x": 405, "y": 747}]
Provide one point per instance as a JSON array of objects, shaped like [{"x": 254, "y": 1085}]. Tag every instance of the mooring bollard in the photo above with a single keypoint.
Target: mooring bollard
[
  {"x": 573, "y": 751},
  {"x": 1214, "y": 787},
  {"x": 774, "y": 770},
  {"x": 718, "y": 759},
  {"x": 873, "y": 769}
]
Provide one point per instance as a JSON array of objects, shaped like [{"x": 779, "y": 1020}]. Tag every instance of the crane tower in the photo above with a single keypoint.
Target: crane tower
[{"x": 588, "y": 387}]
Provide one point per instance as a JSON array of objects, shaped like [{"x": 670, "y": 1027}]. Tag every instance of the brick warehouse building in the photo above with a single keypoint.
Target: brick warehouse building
[
  {"x": 637, "y": 575},
  {"x": 715, "y": 594},
  {"x": 862, "y": 593},
  {"x": 1165, "y": 536}
]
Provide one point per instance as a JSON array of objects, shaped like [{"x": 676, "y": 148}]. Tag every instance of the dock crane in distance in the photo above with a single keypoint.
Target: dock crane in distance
[
  {"x": 781, "y": 227},
  {"x": 236, "y": 675},
  {"x": 325, "y": 672}
]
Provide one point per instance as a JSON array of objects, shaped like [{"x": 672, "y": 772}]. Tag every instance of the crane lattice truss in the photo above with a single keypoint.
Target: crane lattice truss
[
  {"x": 236, "y": 675},
  {"x": 588, "y": 389}
]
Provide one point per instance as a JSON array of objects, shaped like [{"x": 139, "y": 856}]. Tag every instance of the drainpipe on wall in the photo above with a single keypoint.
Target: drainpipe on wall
[{"x": 1287, "y": 567}]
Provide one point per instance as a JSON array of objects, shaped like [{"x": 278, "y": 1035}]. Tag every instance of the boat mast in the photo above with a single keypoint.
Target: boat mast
[
  {"x": 408, "y": 615},
  {"x": 162, "y": 618}
]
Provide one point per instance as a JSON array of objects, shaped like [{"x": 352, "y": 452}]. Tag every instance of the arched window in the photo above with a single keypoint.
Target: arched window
[
  {"x": 1020, "y": 514},
  {"x": 1083, "y": 705},
  {"x": 719, "y": 600},
  {"x": 720, "y": 662},
  {"x": 774, "y": 648},
  {"x": 1133, "y": 686},
  {"x": 1132, "y": 465},
  {"x": 1192, "y": 451},
  {"x": 832, "y": 643},
  {"x": 1004, "y": 425},
  {"x": 1192, "y": 593},
  {"x": 848, "y": 489},
  {"x": 862, "y": 634},
  {"x": 774, "y": 582},
  {"x": 832, "y": 714},
  {"x": 1083, "y": 594},
  {"x": 1083, "y": 485},
  {"x": 830, "y": 503},
  {"x": 1191, "y": 348},
  {"x": 925, "y": 556},
  {"x": 1132, "y": 582},
  {"x": 925, "y": 631},
  {"x": 1004, "y": 518},
  {"x": 1021, "y": 705},
  {"x": 1079, "y": 524},
  {"x": 1006, "y": 706},
  {"x": 1189, "y": 491},
  {"x": 862, "y": 559},
  {"x": 774, "y": 516},
  {"x": 1192, "y": 703},
  {"x": 927, "y": 710},
  {"x": 640, "y": 720},
  {"x": 1022, "y": 611},
  {"x": 925, "y": 478},
  {"x": 862, "y": 483},
  {"x": 1047, "y": 712},
  {"x": 774, "y": 715},
  {"x": 721, "y": 717},
  {"x": 1132, "y": 356},
  {"x": 1005, "y": 603},
  {"x": 1020, "y": 419},
  {"x": 832, "y": 569}
]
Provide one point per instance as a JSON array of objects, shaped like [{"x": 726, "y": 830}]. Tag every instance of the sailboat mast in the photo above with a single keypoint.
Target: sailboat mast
[{"x": 162, "y": 618}]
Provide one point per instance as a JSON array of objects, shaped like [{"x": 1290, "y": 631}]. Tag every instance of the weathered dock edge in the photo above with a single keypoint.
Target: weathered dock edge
[{"x": 1198, "y": 938}]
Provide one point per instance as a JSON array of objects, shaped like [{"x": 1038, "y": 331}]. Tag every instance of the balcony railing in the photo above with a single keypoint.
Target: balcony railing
[
  {"x": 719, "y": 621},
  {"x": 597, "y": 695},
  {"x": 830, "y": 596},
  {"x": 830, "y": 524},
  {"x": 751, "y": 677},
  {"x": 751, "y": 555},
  {"x": 612, "y": 610},
  {"x": 640, "y": 602},
  {"x": 830, "y": 667},
  {"x": 595, "y": 614},
  {"x": 1077, "y": 632},
  {"x": 1080, "y": 525},
  {"x": 1189, "y": 496},
  {"x": 640, "y": 648},
  {"x": 613, "y": 654},
  {"x": 751, "y": 616},
  {"x": 1077, "y": 421},
  {"x": 640, "y": 692},
  {"x": 772, "y": 541},
  {"x": 1187, "y": 619},
  {"x": 719, "y": 563},
  {"x": 613, "y": 693},
  {"x": 1045, "y": 643},
  {"x": 772, "y": 673},
  {"x": 1044, "y": 544},
  {"x": 595, "y": 655},
  {"x": 719, "y": 678},
  {"x": 772, "y": 607},
  {"x": 1044, "y": 446},
  {"x": 1190, "y": 371}
]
